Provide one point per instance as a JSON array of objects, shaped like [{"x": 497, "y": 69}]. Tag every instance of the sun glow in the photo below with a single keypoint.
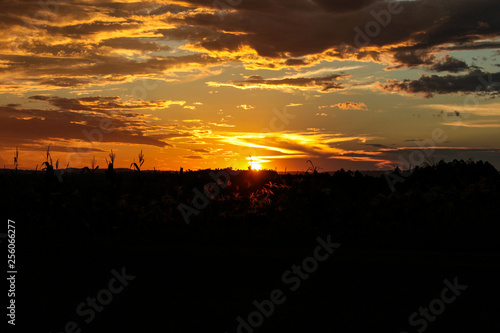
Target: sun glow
[
  {"x": 255, "y": 163},
  {"x": 256, "y": 166}
]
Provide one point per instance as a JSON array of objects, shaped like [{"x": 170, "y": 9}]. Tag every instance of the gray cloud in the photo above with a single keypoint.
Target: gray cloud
[{"x": 475, "y": 82}]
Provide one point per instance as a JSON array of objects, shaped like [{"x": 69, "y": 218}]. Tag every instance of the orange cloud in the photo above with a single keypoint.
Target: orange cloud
[
  {"x": 246, "y": 107},
  {"x": 347, "y": 106}
]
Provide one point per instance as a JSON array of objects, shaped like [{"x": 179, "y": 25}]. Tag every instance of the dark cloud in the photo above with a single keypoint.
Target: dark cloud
[
  {"x": 133, "y": 44},
  {"x": 296, "y": 62},
  {"x": 27, "y": 131},
  {"x": 376, "y": 145},
  {"x": 93, "y": 69},
  {"x": 339, "y": 6},
  {"x": 449, "y": 64},
  {"x": 64, "y": 149},
  {"x": 87, "y": 119},
  {"x": 83, "y": 43},
  {"x": 415, "y": 58},
  {"x": 105, "y": 105},
  {"x": 324, "y": 84},
  {"x": 475, "y": 82},
  {"x": 85, "y": 29},
  {"x": 283, "y": 28},
  {"x": 204, "y": 151}
]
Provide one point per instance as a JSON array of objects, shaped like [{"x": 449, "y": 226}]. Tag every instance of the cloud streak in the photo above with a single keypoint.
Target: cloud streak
[
  {"x": 474, "y": 82},
  {"x": 323, "y": 84}
]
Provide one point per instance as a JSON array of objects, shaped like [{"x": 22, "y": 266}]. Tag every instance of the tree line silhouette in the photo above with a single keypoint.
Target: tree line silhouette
[{"x": 440, "y": 205}]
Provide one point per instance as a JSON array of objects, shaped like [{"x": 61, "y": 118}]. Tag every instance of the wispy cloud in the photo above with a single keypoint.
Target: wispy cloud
[
  {"x": 323, "y": 84},
  {"x": 491, "y": 109},
  {"x": 347, "y": 106},
  {"x": 475, "y": 123},
  {"x": 246, "y": 106}
]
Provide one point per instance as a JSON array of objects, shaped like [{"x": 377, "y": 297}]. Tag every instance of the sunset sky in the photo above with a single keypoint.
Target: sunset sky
[{"x": 206, "y": 84}]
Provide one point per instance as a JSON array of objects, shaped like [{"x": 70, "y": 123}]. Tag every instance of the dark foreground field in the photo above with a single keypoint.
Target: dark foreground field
[{"x": 392, "y": 251}]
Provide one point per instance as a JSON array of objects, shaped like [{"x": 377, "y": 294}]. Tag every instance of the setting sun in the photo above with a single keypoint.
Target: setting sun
[{"x": 256, "y": 166}]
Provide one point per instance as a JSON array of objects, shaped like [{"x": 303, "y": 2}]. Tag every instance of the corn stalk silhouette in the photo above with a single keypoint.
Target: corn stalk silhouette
[
  {"x": 16, "y": 159},
  {"x": 111, "y": 161},
  {"x": 141, "y": 162},
  {"x": 313, "y": 168},
  {"x": 48, "y": 165},
  {"x": 110, "y": 173}
]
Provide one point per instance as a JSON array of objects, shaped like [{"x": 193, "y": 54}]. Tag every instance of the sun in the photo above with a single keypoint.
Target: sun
[{"x": 256, "y": 166}]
